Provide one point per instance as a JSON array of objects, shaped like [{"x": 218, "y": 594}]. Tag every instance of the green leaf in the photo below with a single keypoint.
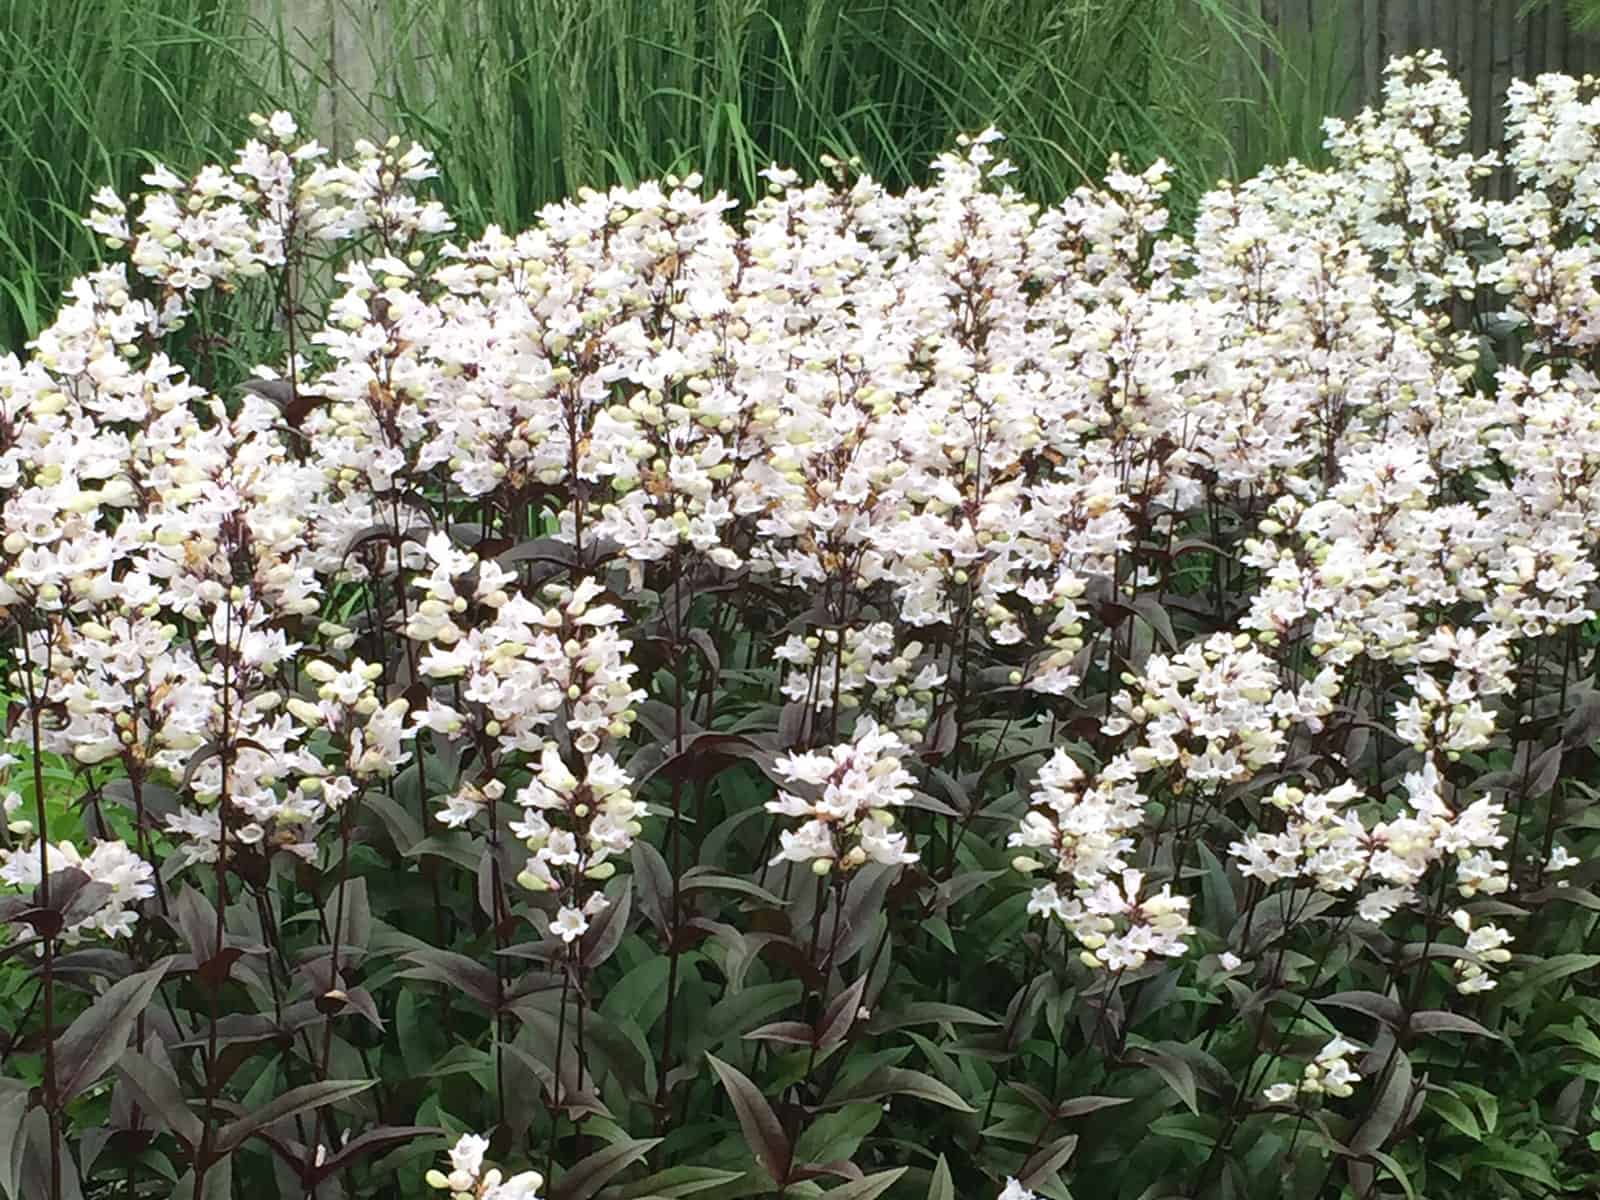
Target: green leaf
[
  {"x": 1178, "y": 1074},
  {"x": 898, "y": 1081},
  {"x": 1541, "y": 975},
  {"x": 942, "y": 1187},
  {"x": 1498, "y": 1156},
  {"x": 1222, "y": 910},
  {"x": 836, "y": 1136},
  {"x": 1398, "y": 1172},
  {"x": 729, "y": 883},
  {"x": 734, "y": 1016},
  {"x": 640, "y": 994},
  {"x": 1201, "y": 1130},
  {"x": 865, "y": 1189},
  {"x": 676, "y": 1182},
  {"x": 1488, "y": 1104},
  {"x": 940, "y": 929},
  {"x": 1456, "y": 1114}
]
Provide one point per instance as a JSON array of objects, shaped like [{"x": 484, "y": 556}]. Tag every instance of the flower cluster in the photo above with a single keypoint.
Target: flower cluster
[
  {"x": 1328, "y": 1074},
  {"x": 467, "y": 1179},
  {"x": 126, "y": 878},
  {"x": 1486, "y": 943},
  {"x": 852, "y": 792},
  {"x": 1272, "y": 553}
]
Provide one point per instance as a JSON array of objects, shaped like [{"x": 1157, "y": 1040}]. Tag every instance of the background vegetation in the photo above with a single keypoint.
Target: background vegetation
[{"x": 528, "y": 100}]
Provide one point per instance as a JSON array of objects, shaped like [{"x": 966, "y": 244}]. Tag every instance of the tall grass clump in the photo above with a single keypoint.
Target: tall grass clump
[
  {"x": 530, "y": 101},
  {"x": 90, "y": 90}
]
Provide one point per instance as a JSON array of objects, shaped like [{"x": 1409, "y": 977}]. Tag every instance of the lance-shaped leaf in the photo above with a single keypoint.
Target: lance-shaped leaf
[
  {"x": 1387, "y": 1111},
  {"x": 898, "y": 1081},
  {"x": 942, "y": 1187},
  {"x": 677, "y": 1182},
  {"x": 763, "y": 1133},
  {"x": 1046, "y": 1161},
  {"x": 926, "y": 1012},
  {"x": 1178, "y": 1074},
  {"x": 1080, "y": 1106},
  {"x": 155, "y": 1086},
  {"x": 1381, "y": 1008},
  {"x": 866, "y": 1189},
  {"x": 94, "y": 1042},
  {"x": 457, "y": 971},
  {"x": 840, "y": 1015},
  {"x": 606, "y": 931},
  {"x": 1440, "y": 1021},
  {"x": 33, "y": 1176},
  {"x": 589, "y": 1175},
  {"x": 654, "y": 879},
  {"x": 295, "y": 1100},
  {"x": 13, "y": 1113}
]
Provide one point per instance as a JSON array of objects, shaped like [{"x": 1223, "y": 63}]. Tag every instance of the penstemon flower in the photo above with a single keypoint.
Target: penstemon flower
[
  {"x": 126, "y": 877},
  {"x": 468, "y": 1180},
  {"x": 851, "y": 794},
  {"x": 1243, "y": 512},
  {"x": 1328, "y": 1074}
]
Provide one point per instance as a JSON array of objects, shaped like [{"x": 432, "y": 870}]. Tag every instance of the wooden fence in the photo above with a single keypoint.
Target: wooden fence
[{"x": 1344, "y": 44}]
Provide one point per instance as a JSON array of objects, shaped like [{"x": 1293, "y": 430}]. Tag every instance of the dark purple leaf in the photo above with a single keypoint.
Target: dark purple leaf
[
  {"x": 1439, "y": 1021},
  {"x": 1046, "y": 1161},
  {"x": 792, "y": 1033},
  {"x": 589, "y": 1175},
  {"x": 1380, "y": 1008},
  {"x": 371, "y": 1142},
  {"x": 305, "y": 1098},
  {"x": 869, "y": 1188},
  {"x": 840, "y": 1015},
  {"x": 156, "y": 1088},
  {"x": 763, "y": 1133},
  {"x": 605, "y": 932},
  {"x": 898, "y": 1081},
  {"x": 654, "y": 879},
  {"x": 926, "y": 1012},
  {"x": 456, "y": 971},
  {"x": 94, "y": 1042},
  {"x": 1081, "y": 1106},
  {"x": 1386, "y": 1112}
]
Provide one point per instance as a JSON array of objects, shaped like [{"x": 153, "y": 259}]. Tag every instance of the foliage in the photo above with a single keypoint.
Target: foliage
[
  {"x": 530, "y": 100},
  {"x": 89, "y": 89},
  {"x": 1582, "y": 15},
  {"x": 906, "y": 693}
]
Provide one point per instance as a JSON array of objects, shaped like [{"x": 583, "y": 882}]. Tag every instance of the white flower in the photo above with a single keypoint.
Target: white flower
[
  {"x": 1280, "y": 1093},
  {"x": 570, "y": 924}
]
